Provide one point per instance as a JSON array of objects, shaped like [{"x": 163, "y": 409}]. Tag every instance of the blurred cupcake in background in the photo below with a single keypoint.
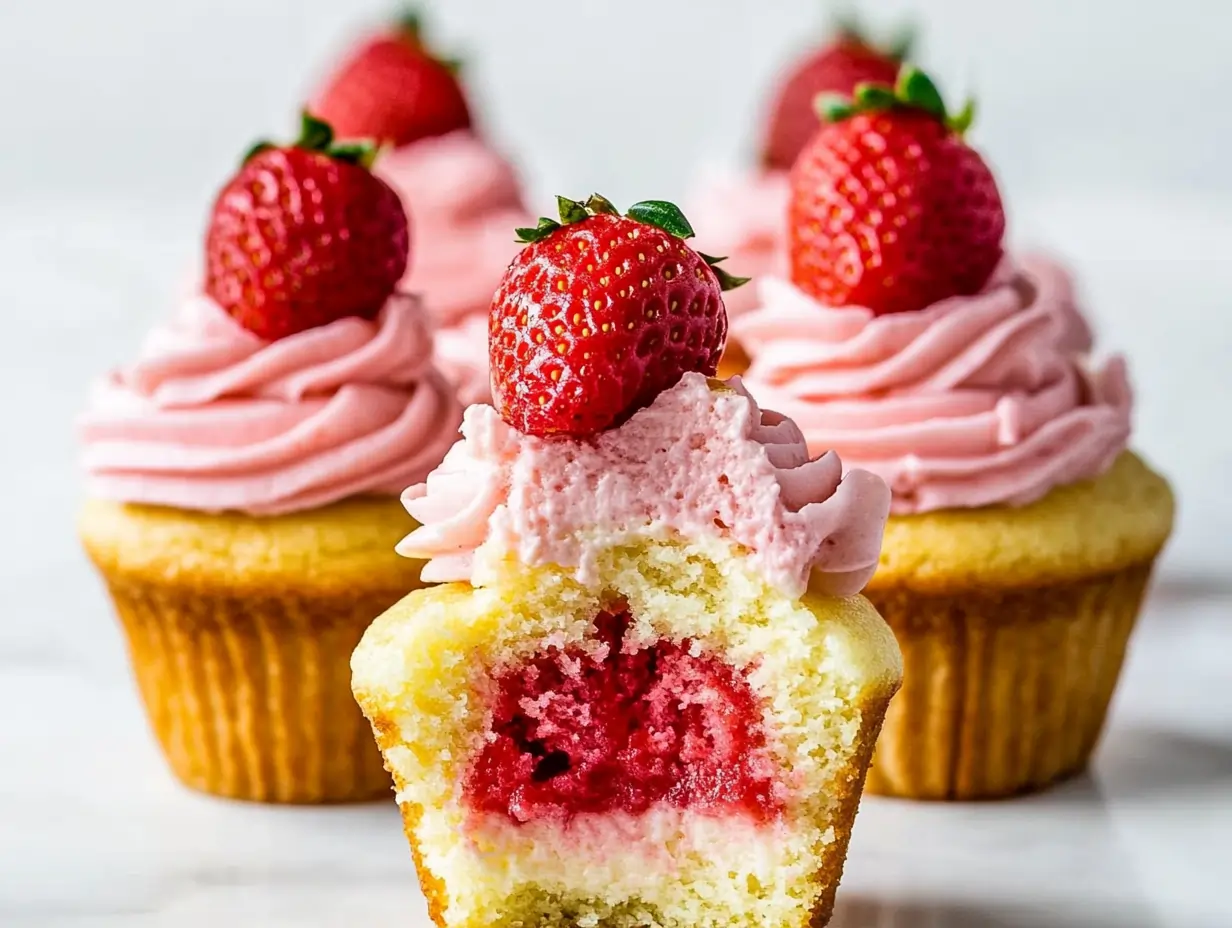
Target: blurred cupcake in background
[
  {"x": 463, "y": 196},
  {"x": 742, "y": 214},
  {"x": 243, "y": 477}
]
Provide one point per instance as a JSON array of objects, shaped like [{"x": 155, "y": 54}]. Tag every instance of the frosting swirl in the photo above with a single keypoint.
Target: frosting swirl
[
  {"x": 697, "y": 463},
  {"x": 464, "y": 202},
  {"x": 971, "y": 402},
  {"x": 212, "y": 417}
]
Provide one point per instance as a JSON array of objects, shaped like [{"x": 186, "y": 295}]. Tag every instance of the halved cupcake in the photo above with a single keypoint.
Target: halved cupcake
[
  {"x": 1023, "y": 531},
  {"x": 464, "y": 197},
  {"x": 648, "y": 693},
  {"x": 243, "y": 478}
]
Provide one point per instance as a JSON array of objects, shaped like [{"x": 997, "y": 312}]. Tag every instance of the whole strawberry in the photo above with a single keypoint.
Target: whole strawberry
[
  {"x": 394, "y": 89},
  {"x": 890, "y": 208},
  {"x": 838, "y": 66},
  {"x": 600, "y": 313},
  {"x": 305, "y": 234}
]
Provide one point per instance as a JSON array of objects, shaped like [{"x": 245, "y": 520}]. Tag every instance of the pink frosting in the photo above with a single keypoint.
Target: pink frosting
[
  {"x": 742, "y": 217},
  {"x": 464, "y": 201},
  {"x": 970, "y": 402},
  {"x": 696, "y": 464},
  {"x": 213, "y": 418}
]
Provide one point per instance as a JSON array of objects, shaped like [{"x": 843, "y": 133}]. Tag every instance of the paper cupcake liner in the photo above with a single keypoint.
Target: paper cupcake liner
[
  {"x": 847, "y": 789},
  {"x": 250, "y": 697},
  {"x": 1004, "y": 691}
]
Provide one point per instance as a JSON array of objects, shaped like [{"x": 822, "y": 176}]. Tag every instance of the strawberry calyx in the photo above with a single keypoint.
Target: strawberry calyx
[
  {"x": 658, "y": 213},
  {"x": 318, "y": 135},
  {"x": 913, "y": 90},
  {"x": 410, "y": 25},
  {"x": 849, "y": 29}
]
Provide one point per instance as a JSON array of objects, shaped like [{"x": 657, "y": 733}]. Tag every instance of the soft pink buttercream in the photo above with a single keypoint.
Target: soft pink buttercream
[
  {"x": 970, "y": 402},
  {"x": 742, "y": 217},
  {"x": 213, "y": 417},
  {"x": 464, "y": 202},
  {"x": 695, "y": 464}
]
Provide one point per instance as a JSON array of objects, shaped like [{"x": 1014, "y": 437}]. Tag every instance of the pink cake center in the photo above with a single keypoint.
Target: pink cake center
[{"x": 574, "y": 732}]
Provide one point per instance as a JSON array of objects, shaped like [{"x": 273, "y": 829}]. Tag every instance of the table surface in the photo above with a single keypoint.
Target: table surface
[{"x": 95, "y": 832}]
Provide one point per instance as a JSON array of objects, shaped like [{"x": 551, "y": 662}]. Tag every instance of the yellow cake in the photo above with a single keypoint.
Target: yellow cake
[
  {"x": 240, "y": 629},
  {"x": 1013, "y": 624},
  {"x": 824, "y": 669}
]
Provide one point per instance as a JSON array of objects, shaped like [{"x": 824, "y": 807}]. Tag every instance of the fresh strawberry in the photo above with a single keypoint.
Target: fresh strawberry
[
  {"x": 890, "y": 208},
  {"x": 305, "y": 234},
  {"x": 600, "y": 313},
  {"x": 394, "y": 89},
  {"x": 838, "y": 66}
]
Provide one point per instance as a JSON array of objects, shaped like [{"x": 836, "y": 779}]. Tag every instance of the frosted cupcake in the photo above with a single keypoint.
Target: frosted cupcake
[
  {"x": 464, "y": 197},
  {"x": 1023, "y": 532},
  {"x": 243, "y": 474},
  {"x": 741, "y": 214},
  {"x": 648, "y": 694}
]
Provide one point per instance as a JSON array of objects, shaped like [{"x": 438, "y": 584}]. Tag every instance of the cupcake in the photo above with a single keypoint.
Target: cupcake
[
  {"x": 1023, "y": 531},
  {"x": 464, "y": 197},
  {"x": 647, "y": 691},
  {"x": 242, "y": 478},
  {"x": 741, "y": 214}
]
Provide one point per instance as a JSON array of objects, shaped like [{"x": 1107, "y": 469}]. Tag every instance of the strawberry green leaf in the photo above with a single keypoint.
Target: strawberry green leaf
[
  {"x": 833, "y": 107},
  {"x": 314, "y": 134},
  {"x": 545, "y": 228},
  {"x": 915, "y": 88},
  {"x": 597, "y": 204},
  {"x": 362, "y": 152},
  {"x": 453, "y": 65},
  {"x": 662, "y": 214},
  {"x": 257, "y": 148},
  {"x": 727, "y": 281},
  {"x": 870, "y": 96},
  {"x": 570, "y": 210},
  {"x": 961, "y": 121}
]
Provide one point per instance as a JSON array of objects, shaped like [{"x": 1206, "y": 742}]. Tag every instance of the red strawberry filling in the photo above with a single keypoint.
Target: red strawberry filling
[{"x": 574, "y": 732}]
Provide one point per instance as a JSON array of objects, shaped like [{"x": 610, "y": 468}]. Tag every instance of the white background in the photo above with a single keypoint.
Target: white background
[{"x": 1109, "y": 126}]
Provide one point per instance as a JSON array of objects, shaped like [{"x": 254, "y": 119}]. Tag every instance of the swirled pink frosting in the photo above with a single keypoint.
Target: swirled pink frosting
[
  {"x": 212, "y": 417},
  {"x": 973, "y": 401},
  {"x": 696, "y": 464},
  {"x": 742, "y": 217},
  {"x": 464, "y": 202}
]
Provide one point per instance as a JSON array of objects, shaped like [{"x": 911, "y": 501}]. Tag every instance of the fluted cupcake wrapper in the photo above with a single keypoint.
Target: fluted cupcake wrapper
[
  {"x": 1004, "y": 691},
  {"x": 250, "y": 697}
]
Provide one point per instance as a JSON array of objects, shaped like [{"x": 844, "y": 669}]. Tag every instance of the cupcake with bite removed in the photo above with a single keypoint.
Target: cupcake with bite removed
[
  {"x": 463, "y": 196},
  {"x": 243, "y": 477},
  {"x": 1023, "y": 529},
  {"x": 646, "y": 693}
]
